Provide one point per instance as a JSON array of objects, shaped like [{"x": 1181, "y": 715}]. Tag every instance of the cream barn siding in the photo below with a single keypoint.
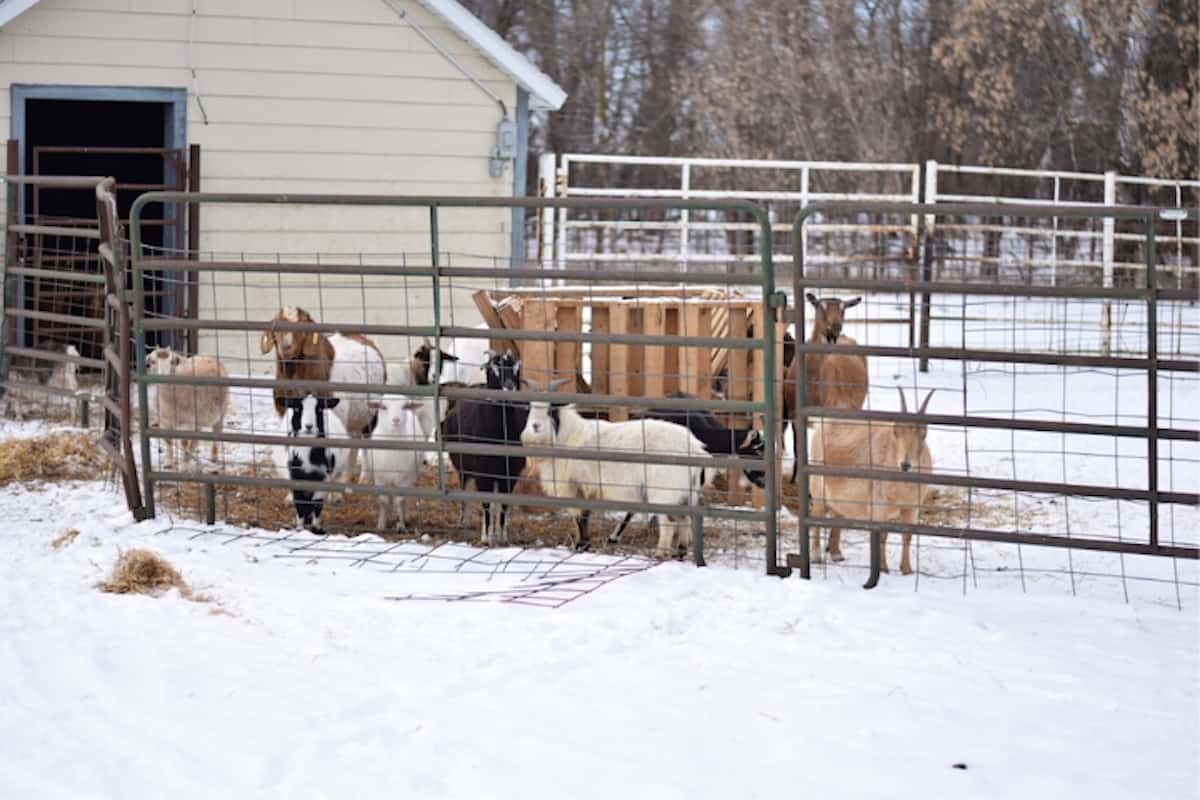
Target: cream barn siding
[{"x": 300, "y": 96}]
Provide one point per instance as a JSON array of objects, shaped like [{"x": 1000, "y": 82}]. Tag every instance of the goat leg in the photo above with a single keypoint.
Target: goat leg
[
  {"x": 905, "y": 563},
  {"x": 815, "y": 554},
  {"x": 666, "y": 539},
  {"x": 835, "y": 545},
  {"x": 615, "y": 536},
  {"x": 216, "y": 429},
  {"x": 581, "y": 524}
]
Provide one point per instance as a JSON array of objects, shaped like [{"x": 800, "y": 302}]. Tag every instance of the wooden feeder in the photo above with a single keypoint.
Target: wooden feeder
[{"x": 637, "y": 370}]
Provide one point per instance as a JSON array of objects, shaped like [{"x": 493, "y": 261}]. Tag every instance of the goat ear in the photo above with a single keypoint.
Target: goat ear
[
  {"x": 903, "y": 402},
  {"x": 851, "y": 303},
  {"x": 332, "y": 402},
  {"x": 448, "y": 356},
  {"x": 812, "y": 298},
  {"x": 311, "y": 345},
  {"x": 175, "y": 359},
  {"x": 412, "y": 405},
  {"x": 267, "y": 343},
  {"x": 374, "y": 405}
]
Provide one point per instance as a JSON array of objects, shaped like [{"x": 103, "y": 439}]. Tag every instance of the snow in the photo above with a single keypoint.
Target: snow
[
  {"x": 335, "y": 667},
  {"x": 671, "y": 681}
]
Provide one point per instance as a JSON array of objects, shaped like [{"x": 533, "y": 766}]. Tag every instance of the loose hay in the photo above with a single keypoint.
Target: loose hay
[
  {"x": 64, "y": 538},
  {"x": 61, "y": 456},
  {"x": 141, "y": 571}
]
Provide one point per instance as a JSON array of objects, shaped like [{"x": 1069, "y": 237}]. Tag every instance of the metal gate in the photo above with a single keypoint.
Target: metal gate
[
  {"x": 365, "y": 279},
  {"x": 1146, "y": 362}
]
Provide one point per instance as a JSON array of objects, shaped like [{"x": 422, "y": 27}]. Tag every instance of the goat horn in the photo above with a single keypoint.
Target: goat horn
[
  {"x": 925, "y": 402},
  {"x": 903, "y": 402},
  {"x": 555, "y": 384}
]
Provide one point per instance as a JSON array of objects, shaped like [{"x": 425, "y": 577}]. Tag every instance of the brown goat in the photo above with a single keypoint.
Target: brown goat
[
  {"x": 304, "y": 357},
  {"x": 874, "y": 445},
  {"x": 832, "y": 380},
  {"x": 340, "y": 358}
]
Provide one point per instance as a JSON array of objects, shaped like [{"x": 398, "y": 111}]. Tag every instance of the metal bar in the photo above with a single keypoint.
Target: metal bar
[
  {"x": 139, "y": 332},
  {"x": 56, "y": 230},
  {"x": 966, "y": 354},
  {"x": 1152, "y": 432},
  {"x": 437, "y": 340},
  {"x": 416, "y": 201},
  {"x": 926, "y": 297},
  {"x": 1012, "y": 537},
  {"x": 8, "y": 294},
  {"x": 89, "y": 149},
  {"x": 565, "y": 503},
  {"x": 1005, "y": 484},
  {"x": 55, "y": 274},
  {"x": 193, "y": 247},
  {"x": 169, "y": 324},
  {"x": 53, "y": 181},
  {"x": 65, "y": 319},
  {"x": 470, "y": 448},
  {"x": 631, "y": 277},
  {"x": 958, "y": 287},
  {"x": 1001, "y": 423}
]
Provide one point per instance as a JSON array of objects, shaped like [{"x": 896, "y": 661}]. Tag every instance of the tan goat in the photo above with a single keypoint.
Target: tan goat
[
  {"x": 832, "y": 380},
  {"x": 187, "y": 408},
  {"x": 875, "y": 445}
]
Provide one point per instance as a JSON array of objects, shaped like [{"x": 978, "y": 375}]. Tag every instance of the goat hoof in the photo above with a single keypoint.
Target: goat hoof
[
  {"x": 838, "y": 557},
  {"x": 583, "y": 547},
  {"x": 906, "y": 570},
  {"x": 614, "y": 539}
]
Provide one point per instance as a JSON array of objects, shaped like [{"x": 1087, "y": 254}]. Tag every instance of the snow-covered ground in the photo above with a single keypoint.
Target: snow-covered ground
[
  {"x": 330, "y": 668},
  {"x": 671, "y": 682}
]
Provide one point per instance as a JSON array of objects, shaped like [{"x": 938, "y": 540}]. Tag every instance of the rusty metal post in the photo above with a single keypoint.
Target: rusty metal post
[
  {"x": 193, "y": 247},
  {"x": 926, "y": 300},
  {"x": 1152, "y": 378},
  {"x": 9, "y": 296}
]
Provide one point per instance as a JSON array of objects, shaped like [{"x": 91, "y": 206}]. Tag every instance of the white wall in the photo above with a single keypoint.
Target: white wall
[{"x": 300, "y": 96}]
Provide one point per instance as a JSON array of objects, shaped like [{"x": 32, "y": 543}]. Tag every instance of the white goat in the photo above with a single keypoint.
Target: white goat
[
  {"x": 397, "y": 422},
  {"x": 875, "y": 445},
  {"x": 306, "y": 417},
  {"x": 189, "y": 408},
  {"x": 666, "y": 484}
]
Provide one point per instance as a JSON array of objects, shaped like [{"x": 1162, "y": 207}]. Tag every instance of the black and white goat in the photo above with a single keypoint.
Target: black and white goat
[
  {"x": 718, "y": 440},
  {"x": 306, "y": 418},
  {"x": 489, "y": 422}
]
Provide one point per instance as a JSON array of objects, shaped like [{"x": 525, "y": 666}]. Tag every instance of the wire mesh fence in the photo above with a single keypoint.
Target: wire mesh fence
[{"x": 1037, "y": 433}]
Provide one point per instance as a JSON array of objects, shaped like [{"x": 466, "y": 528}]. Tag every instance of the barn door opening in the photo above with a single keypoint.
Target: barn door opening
[{"x": 133, "y": 135}]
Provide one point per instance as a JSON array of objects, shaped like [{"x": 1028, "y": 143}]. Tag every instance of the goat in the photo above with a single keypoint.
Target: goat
[
  {"x": 832, "y": 380},
  {"x": 397, "y": 421},
  {"x": 182, "y": 407},
  {"x": 560, "y": 425},
  {"x": 339, "y": 358},
  {"x": 720, "y": 381},
  {"x": 320, "y": 464},
  {"x": 876, "y": 445},
  {"x": 716, "y": 438},
  {"x": 489, "y": 422}
]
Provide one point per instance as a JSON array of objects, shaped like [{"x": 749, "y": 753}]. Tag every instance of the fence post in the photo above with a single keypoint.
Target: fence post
[
  {"x": 8, "y": 295},
  {"x": 685, "y": 180},
  {"x": 1109, "y": 247},
  {"x": 193, "y": 248},
  {"x": 560, "y": 189},
  {"x": 546, "y": 226},
  {"x": 931, "y": 190}
]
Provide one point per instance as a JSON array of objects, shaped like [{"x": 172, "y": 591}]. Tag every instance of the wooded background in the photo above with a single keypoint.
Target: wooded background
[{"x": 1087, "y": 85}]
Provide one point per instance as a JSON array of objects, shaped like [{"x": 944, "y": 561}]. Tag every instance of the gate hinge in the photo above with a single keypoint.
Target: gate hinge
[{"x": 777, "y": 300}]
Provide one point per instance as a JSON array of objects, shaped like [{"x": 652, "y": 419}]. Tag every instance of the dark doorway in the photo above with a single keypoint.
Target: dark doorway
[{"x": 79, "y": 131}]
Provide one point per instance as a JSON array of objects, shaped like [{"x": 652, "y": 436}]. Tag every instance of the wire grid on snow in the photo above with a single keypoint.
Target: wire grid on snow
[{"x": 456, "y": 572}]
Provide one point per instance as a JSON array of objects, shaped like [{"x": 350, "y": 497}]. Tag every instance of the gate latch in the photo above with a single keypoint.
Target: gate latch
[{"x": 777, "y": 300}]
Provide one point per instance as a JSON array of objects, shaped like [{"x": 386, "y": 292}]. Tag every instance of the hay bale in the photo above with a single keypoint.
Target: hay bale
[
  {"x": 64, "y": 538},
  {"x": 144, "y": 572},
  {"x": 57, "y": 457}
]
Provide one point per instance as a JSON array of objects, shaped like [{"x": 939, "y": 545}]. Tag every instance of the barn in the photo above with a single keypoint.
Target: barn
[{"x": 364, "y": 96}]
